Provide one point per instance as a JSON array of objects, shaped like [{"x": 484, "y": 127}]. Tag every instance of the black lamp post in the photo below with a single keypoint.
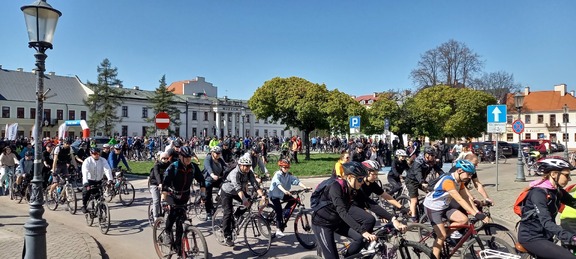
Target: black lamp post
[
  {"x": 520, "y": 177},
  {"x": 41, "y": 20},
  {"x": 566, "y": 136}
]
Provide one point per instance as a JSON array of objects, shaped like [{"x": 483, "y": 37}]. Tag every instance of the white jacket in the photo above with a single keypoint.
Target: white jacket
[{"x": 94, "y": 170}]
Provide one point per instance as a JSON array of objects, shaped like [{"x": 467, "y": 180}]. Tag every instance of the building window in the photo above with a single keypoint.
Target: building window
[
  {"x": 71, "y": 115},
  {"x": 124, "y": 129},
  {"x": 552, "y": 120},
  {"x": 205, "y": 116},
  {"x": 5, "y": 112},
  {"x": 177, "y": 131},
  {"x": 83, "y": 115},
  {"x": 553, "y": 137},
  {"x": 194, "y": 116},
  {"x": 509, "y": 137},
  {"x": 20, "y": 112},
  {"x": 565, "y": 137},
  {"x": 144, "y": 112},
  {"x": 144, "y": 131},
  {"x": 124, "y": 112},
  {"x": 60, "y": 114},
  {"x": 540, "y": 119},
  {"x": 527, "y": 119},
  {"x": 32, "y": 113},
  {"x": 47, "y": 114},
  {"x": 194, "y": 132},
  {"x": 527, "y": 136},
  {"x": 229, "y": 117},
  {"x": 265, "y": 133},
  {"x": 257, "y": 132},
  {"x": 509, "y": 119},
  {"x": 256, "y": 120},
  {"x": 248, "y": 118},
  {"x": 566, "y": 118}
]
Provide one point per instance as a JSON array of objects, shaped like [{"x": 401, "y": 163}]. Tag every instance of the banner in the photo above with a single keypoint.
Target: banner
[{"x": 11, "y": 131}]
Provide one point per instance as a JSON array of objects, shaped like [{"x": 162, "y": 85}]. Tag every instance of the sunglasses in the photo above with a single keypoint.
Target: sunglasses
[
  {"x": 567, "y": 175},
  {"x": 360, "y": 179}
]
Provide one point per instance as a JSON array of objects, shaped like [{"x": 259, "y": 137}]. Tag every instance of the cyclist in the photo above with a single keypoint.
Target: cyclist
[
  {"x": 47, "y": 160},
  {"x": 116, "y": 157},
  {"x": 537, "y": 227},
  {"x": 474, "y": 178},
  {"x": 399, "y": 165},
  {"x": 235, "y": 187},
  {"x": 437, "y": 202},
  {"x": 338, "y": 168},
  {"x": 336, "y": 217},
  {"x": 63, "y": 157},
  {"x": 174, "y": 150},
  {"x": 25, "y": 169},
  {"x": 105, "y": 153},
  {"x": 178, "y": 179},
  {"x": 155, "y": 181},
  {"x": 214, "y": 167},
  {"x": 280, "y": 186},
  {"x": 358, "y": 154},
  {"x": 93, "y": 170},
  {"x": 7, "y": 162},
  {"x": 416, "y": 177},
  {"x": 257, "y": 160}
]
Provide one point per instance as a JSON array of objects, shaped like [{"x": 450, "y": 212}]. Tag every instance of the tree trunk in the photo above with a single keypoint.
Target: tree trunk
[{"x": 307, "y": 144}]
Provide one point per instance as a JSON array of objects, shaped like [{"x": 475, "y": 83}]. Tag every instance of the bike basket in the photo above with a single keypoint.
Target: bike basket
[{"x": 489, "y": 253}]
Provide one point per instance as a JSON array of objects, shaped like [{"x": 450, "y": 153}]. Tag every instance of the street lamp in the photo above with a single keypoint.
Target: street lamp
[
  {"x": 519, "y": 102},
  {"x": 565, "y": 108},
  {"x": 41, "y": 20},
  {"x": 243, "y": 115}
]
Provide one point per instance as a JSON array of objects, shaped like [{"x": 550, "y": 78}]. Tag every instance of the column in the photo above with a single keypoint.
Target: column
[
  {"x": 233, "y": 124},
  {"x": 217, "y": 123},
  {"x": 226, "y": 116},
  {"x": 252, "y": 118}
]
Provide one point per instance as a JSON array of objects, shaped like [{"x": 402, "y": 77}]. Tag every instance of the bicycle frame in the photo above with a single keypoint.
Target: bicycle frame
[{"x": 470, "y": 233}]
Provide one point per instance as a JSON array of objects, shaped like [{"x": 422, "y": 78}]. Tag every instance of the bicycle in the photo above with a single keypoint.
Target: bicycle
[
  {"x": 255, "y": 226},
  {"x": 98, "y": 208},
  {"x": 122, "y": 188},
  {"x": 191, "y": 242},
  {"x": 302, "y": 222},
  {"x": 64, "y": 193},
  {"x": 21, "y": 191}
]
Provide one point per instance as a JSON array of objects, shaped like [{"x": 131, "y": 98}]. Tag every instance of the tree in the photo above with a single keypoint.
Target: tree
[
  {"x": 451, "y": 63},
  {"x": 105, "y": 99},
  {"x": 295, "y": 101},
  {"x": 164, "y": 100},
  {"x": 498, "y": 84},
  {"x": 469, "y": 118},
  {"x": 386, "y": 107},
  {"x": 339, "y": 107}
]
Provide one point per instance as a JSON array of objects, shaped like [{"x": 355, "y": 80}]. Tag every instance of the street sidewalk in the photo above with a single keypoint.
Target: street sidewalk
[{"x": 61, "y": 241}]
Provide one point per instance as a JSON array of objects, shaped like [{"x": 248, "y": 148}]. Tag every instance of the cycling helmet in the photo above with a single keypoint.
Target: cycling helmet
[
  {"x": 466, "y": 165},
  {"x": 371, "y": 165},
  {"x": 401, "y": 152},
  {"x": 94, "y": 150},
  {"x": 118, "y": 146},
  {"x": 354, "y": 168},
  {"x": 284, "y": 163},
  {"x": 256, "y": 149},
  {"x": 359, "y": 145},
  {"x": 429, "y": 150},
  {"x": 105, "y": 146},
  {"x": 553, "y": 164},
  {"x": 245, "y": 160},
  {"x": 28, "y": 153},
  {"x": 177, "y": 143},
  {"x": 186, "y": 152},
  {"x": 216, "y": 149}
]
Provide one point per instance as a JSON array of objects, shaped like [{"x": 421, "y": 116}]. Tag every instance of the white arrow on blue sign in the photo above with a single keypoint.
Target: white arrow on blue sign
[
  {"x": 355, "y": 122},
  {"x": 496, "y": 114}
]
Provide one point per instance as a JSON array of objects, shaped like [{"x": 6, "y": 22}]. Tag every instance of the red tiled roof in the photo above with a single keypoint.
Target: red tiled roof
[
  {"x": 178, "y": 86},
  {"x": 543, "y": 101},
  {"x": 366, "y": 97}
]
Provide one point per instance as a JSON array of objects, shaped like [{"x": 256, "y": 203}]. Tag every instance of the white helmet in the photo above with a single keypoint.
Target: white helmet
[
  {"x": 245, "y": 160},
  {"x": 401, "y": 152},
  {"x": 371, "y": 165}
]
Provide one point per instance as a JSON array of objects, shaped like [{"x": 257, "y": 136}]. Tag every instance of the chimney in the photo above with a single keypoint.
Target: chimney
[
  {"x": 136, "y": 87},
  {"x": 51, "y": 73},
  {"x": 353, "y": 96},
  {"x": 374, "y": 94},
  {"x": 572, "y": 93},
  {"x": 526, "y": 90},
  {"x": 560, "y": 88},
  {"x": 19, "y": 69}
]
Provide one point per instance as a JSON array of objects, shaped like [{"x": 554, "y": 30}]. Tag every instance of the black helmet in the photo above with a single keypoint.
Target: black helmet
[
  {"x": 355, "y": 168},
  {"x": 177, "y": 143},
  {"x": 94, "y": 150},
  {"x": 186, "y": 152},
  {"x": 429, "y": 150},
  {"x": 29, "y": 153},
  {"x": 256, "y": 149}
]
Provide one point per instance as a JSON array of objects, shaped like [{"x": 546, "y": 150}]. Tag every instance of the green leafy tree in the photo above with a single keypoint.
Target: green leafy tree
[
  {"x": 105, "y": 100},
  {"x": 295, "y": 101},
  {"x": 386, "y": 107},
  {"x": 469, "y": 118},
  {"x": 164, "y": 100},
  {"x": 339, "y": 107}
]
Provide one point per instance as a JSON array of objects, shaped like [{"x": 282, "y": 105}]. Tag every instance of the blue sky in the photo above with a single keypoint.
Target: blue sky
[{"x": 355, "y": 46}]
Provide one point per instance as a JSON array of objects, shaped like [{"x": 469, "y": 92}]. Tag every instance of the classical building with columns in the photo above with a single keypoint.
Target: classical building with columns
[{"x": 203, "y": 113}]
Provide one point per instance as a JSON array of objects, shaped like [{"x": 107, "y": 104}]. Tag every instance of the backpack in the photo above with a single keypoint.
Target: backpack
[
  {"x": 434, "y": 181},
  {"x": 521, "y": 201},
  {"x": 316, "y": 202}
]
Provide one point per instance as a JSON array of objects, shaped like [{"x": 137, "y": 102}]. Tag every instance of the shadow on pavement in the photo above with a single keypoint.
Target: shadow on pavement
[{"x": 127, "y": 227}]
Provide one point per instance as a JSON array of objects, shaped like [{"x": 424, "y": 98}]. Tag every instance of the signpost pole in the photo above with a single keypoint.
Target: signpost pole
[{"x": 497, "y": 163}]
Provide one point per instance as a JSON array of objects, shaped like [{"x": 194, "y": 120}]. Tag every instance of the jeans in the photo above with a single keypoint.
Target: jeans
[
  {"x": 155, "y": 191},
  {"x": 5, "y": 171}
]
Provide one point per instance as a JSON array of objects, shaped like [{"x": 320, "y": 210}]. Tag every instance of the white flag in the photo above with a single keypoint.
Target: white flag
[{"x": 11, "y": 131}]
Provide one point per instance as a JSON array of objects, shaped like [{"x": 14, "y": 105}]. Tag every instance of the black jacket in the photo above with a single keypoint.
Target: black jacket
[
  {"x": 542, "y": 225},
  {"x": 157, "y": 173},
  {"x": 398, "y": 168},
  {"x": 179, "y": 178},
  {"x": 420, "y": 169},
  {"x": 336, "y": 213}
]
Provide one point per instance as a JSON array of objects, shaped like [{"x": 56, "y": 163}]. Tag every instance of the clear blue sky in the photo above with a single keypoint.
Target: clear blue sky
[{"x": 356, "y": 46}]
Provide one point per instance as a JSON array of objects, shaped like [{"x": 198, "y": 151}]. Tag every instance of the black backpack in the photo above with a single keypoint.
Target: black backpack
[
  {"x": 434, "y": 181},
  {"x": 316, "y": 202}
]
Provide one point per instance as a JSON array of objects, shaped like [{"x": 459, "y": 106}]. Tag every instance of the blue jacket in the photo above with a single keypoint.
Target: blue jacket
[
  {"x": 286, "y": 180},
  {"x": 114, "y": 160}
]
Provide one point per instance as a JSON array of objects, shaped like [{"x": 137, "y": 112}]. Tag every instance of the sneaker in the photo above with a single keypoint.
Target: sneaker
[
  {"x": 456, "y": 235},
  {"x": 279, "y": 233},
  {"x": 229, "y": 241},
  {"x": 84, "y": 210}
]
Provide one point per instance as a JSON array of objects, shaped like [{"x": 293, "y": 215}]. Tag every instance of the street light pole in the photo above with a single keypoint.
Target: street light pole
[
  {"x": 186, "y": 119},
  {"x": 520, "y": 177},
  {"x": 41, "y": 20},
  {"x": 566, "y": 136},
  {"x": 243, "y": 114}
]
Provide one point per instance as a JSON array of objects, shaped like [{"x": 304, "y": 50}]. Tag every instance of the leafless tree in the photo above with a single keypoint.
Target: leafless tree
[{"x": 498, "y": 84}]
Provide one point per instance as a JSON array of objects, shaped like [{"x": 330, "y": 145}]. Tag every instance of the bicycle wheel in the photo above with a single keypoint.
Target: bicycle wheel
[
  {"x": 28, "y": 192},
  {"x": 126, "y": 194},
  {"x": 501, "y": 159},
  {"x": 71, "y": 201},
  {"x": 303, "y": 230},
  {"x": 108, "y": 192},
  {"x": 472, "y": 248},
  {"x": 104, "y": 217},
  {"x": 11, "y": 187},
  {"x": 269, "y": 214},
  {"x": 217, "y": 226},
  {"x": 162, "y": 242},
  {"x": 52, "y": 200},
  {"x": 18, "y": 194},
  {"x": 194, "y": 244},
  {"x": 150, "y": 214},
  {"x": 408, "y": 249},
  {"x": 272, "y": 158},
  {"x": 88, "y": 216},
  {"x": 497, "y": 230},
  {"x": 199, "y": 209},
  {"x": 257, "y": 235},
  {"x": 419, "y": 233}
]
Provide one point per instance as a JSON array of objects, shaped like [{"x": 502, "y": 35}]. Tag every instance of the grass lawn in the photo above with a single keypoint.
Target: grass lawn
[{"x": 318, "y": 165}]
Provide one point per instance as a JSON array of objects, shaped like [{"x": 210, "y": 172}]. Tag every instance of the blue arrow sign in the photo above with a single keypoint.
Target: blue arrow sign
[
  {"x": 355, "y": 122},
  {"x": 496, "y": 114}
]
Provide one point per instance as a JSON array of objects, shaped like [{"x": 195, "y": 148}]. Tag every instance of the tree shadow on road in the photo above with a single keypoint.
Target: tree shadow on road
[{"x": 127, "y": 227}]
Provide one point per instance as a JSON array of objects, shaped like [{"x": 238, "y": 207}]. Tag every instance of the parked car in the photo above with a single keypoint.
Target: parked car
[
  {"x": 515, "y": 148},
  {"x": 100, "y": 141},
  {"x": 505, "y": 148},
  {"x": 554, "y": 147},
  {"x": 559, "y": 147}
]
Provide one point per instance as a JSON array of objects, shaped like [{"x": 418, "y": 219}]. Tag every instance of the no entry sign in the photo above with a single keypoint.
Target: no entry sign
[{"x": 162, "y": 120}]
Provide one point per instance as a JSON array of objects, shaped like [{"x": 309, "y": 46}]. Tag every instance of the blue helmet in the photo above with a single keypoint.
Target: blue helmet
[{"x": 466, "y": 166}]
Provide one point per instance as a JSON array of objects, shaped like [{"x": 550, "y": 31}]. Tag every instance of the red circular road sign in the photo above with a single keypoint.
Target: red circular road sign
[
  {"x": 518, "y": 126},
  {"x": 162, "y": 120}
]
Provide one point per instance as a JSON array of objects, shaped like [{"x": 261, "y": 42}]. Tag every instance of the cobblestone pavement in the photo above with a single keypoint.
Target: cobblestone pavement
[{"x": 61, "y": 241}]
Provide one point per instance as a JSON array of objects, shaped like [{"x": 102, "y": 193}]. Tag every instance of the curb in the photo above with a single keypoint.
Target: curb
[{"x": 93, "y": 247}]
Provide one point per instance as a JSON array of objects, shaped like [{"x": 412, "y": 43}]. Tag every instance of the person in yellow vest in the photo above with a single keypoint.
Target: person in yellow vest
[{"x": 338, "y": 168}]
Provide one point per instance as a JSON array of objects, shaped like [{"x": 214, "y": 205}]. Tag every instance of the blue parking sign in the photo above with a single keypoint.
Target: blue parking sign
[{"x": 355, "y": 122}]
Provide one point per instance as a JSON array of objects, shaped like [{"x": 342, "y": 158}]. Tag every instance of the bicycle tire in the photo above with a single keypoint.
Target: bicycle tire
[
  {"x": 71, "y": 201},
  {"x": 108, "y": 192},
  {"x": 199, "y": 208},
  {"x": 272, "y": 158},
  {"x": 497, "y": 230},
  {"x": 10, "y": 187},
  {"x": 88, "y": 216},
  {"x": 162, "y": 247},
  {"x": 18, "y": 194},
  {"x": 255, "y": 228},
  {"x": 217, "y": 226},
  {"x": 471, "y": 249},
  {"x": 303, "y": 230},
  {"x": 190, "y": 243},
  {"x": 103, "y": 217},
  {"x": 502, "y": 159},
  {"x": 150, "y": 214},
  {"x": 269, "y": 214},
  {"x": 410, "y": 249},
  {"x": 126, "y": 194},
  {"x": 420, "y": 233},
  {"x": 52, "y": 200}
]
